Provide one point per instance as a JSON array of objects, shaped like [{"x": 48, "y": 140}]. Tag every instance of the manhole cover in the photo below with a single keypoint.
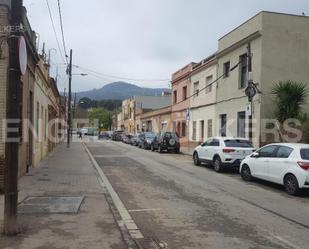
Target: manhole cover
[{"x": 50, "y": 205}]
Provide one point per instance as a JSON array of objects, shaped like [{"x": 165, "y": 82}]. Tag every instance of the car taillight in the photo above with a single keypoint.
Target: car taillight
[
  {"x": 304, "y": 165},
  {"x": 228, "y": 150}
]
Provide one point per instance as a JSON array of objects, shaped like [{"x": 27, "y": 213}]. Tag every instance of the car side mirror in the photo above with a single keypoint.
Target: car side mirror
[{"x": 255, "y": 155}]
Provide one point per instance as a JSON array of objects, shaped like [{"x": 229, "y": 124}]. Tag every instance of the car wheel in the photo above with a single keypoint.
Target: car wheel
[
  {"x": 196, "y": 159},
  {"x": 217, "y": 164},
  {"x": 152, "y": 147},
  {"x": 246, "y": 173},
  {"x": 160, "y": 149},
  {"x": 291, "y": 184}
]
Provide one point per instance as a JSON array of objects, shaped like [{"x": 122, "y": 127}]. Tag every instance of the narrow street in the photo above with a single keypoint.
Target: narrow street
[{"x": 180, "y": 205}]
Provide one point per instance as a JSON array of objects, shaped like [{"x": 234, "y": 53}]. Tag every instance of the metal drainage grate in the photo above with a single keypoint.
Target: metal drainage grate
[{"x": 50, "y": 205}]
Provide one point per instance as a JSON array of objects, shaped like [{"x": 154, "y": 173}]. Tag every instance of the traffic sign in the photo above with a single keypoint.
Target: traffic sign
[{"x": 22, "y": 54}]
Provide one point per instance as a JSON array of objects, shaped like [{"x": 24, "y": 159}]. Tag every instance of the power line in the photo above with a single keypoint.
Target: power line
[
  {"x": 62, "y": 32},
  {"x": 55, "y": 33},
  {"x": 209, "y": 85},
  {"x": 118, "y": 77}
]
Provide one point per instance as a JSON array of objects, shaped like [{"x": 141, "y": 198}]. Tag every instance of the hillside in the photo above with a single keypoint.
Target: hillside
[{"x": 120, "y": 90}]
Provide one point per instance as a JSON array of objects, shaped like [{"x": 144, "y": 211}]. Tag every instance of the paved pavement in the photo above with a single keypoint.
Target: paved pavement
[
  {"x": 178, "y": 205},
  {"x": 66, "y": 173},
  {"x": 187, "y": 150}
]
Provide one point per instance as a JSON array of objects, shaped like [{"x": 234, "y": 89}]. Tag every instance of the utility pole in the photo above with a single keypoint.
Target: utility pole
[
  {"x": 13, "y": 104},
  {"x": 69, "y": 99},
  {"x": 250, "y": 90}
]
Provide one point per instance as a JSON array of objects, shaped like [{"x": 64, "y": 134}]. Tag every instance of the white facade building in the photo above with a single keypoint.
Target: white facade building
[{"x": 202, "y": 121}]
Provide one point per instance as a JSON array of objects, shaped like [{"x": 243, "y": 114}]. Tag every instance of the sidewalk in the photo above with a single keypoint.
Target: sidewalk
[
  {"x": 64, "y": 173},
  {"x": 187, "y": 150}
]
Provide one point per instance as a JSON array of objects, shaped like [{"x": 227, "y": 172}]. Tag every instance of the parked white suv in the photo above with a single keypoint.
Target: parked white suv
[
  {"x": 283, "y": 163},
  {"x": 222, "y": 152}
]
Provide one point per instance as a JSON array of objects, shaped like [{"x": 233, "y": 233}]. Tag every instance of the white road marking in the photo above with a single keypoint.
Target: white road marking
[
  {"x": 286, "y": 242},
  {"x": 125, "y": 216}
]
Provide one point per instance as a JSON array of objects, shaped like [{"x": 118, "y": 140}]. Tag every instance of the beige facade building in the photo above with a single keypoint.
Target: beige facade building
[
  {"x": 134, "y": 107},
  {"x": 26, "y": 90},
  {"x": 41, "y": 102},
  {"x": 280, "y": 48},
  {"x": 120, "y": 123},
  {"x": 35, "y": 87},
  {"x": 157, "y": 120},
  {"x": 203, "y": 90}
]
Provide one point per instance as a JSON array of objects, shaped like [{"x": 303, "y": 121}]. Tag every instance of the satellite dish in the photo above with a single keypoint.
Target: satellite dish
[{"x": 22, "y": 54}]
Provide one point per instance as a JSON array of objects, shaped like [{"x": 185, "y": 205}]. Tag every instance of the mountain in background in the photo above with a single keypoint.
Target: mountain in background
[{"x": 120, "y": 90}]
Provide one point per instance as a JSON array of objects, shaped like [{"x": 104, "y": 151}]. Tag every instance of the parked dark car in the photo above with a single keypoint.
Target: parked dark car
[
  {"x": 126, "y": 138},
  {"x": 135, "y": 140},
  {"x": 104, "y": 135},
  {"x": 166, "y": 141},
  {"x": 117, "y": 135},
  {"x": 146, "y": 139}
]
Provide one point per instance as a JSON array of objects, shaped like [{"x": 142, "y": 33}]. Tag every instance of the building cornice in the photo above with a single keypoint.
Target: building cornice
[{"x": 240, "y": 43}]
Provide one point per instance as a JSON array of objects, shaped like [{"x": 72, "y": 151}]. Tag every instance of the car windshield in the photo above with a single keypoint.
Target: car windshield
[
  {"x": 150, "y": 135},
  {"x": 171, "y": 135},
  {"x": 238, "y": 143},
  {"x": 304, "y": 154}
]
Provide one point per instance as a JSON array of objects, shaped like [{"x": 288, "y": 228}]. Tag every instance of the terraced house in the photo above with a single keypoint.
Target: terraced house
[
  {"x": 40, "y": 99},
  {"x": 181, "y": 102},
  {"x": 280, "y": 48},
  {"x": 203, "y": 89},
  {"x": 26, "y": 90}
]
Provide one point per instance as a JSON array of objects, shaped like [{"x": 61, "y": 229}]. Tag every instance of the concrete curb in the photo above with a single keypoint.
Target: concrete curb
[{"x": 129, "y": 230}]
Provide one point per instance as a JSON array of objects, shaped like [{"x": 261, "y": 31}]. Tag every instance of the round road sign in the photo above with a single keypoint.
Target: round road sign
[{"x": 22, "y": 53}]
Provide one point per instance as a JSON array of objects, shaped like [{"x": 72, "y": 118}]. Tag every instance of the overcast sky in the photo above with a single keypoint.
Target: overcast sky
[{"x": 146, "y": 40}]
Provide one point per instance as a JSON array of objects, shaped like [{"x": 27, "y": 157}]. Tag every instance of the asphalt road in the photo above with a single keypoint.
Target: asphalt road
[{"x": 183, "y": 206}]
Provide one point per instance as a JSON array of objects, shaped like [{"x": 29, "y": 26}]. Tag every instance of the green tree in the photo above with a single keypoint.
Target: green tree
[
  {"x": 103, "y": 117},
  {"x": 289, "y": 98},
  {"x": 84, "y": 103}
]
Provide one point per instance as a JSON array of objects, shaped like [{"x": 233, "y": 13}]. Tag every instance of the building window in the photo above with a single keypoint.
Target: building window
[
  {"x": 226, "y": 69},
  {"x": 209, "y": 81},
  {"x": 37, "y": 118},
  {"x": 209, "y": 128},
  {"x": 222, "y": 125},
  {"x": 241, "y": 124},
  {"x": 243, "y": 71},
  {"x": 196, "y": 89},
  {"x": 175, "y": 97},
  {"x": 184, "y": 93},
  {"x": 202, "y": 130},
  {"x": 194, "y": 131},
  {"x": 183, "y": 129}
]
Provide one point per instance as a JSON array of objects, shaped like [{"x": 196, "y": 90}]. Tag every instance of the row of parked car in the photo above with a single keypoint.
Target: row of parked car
[
  {"x": 286, "y": 164},
  {"x": 163, "y": 141},
  {"x": 282, "y": 163}
]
